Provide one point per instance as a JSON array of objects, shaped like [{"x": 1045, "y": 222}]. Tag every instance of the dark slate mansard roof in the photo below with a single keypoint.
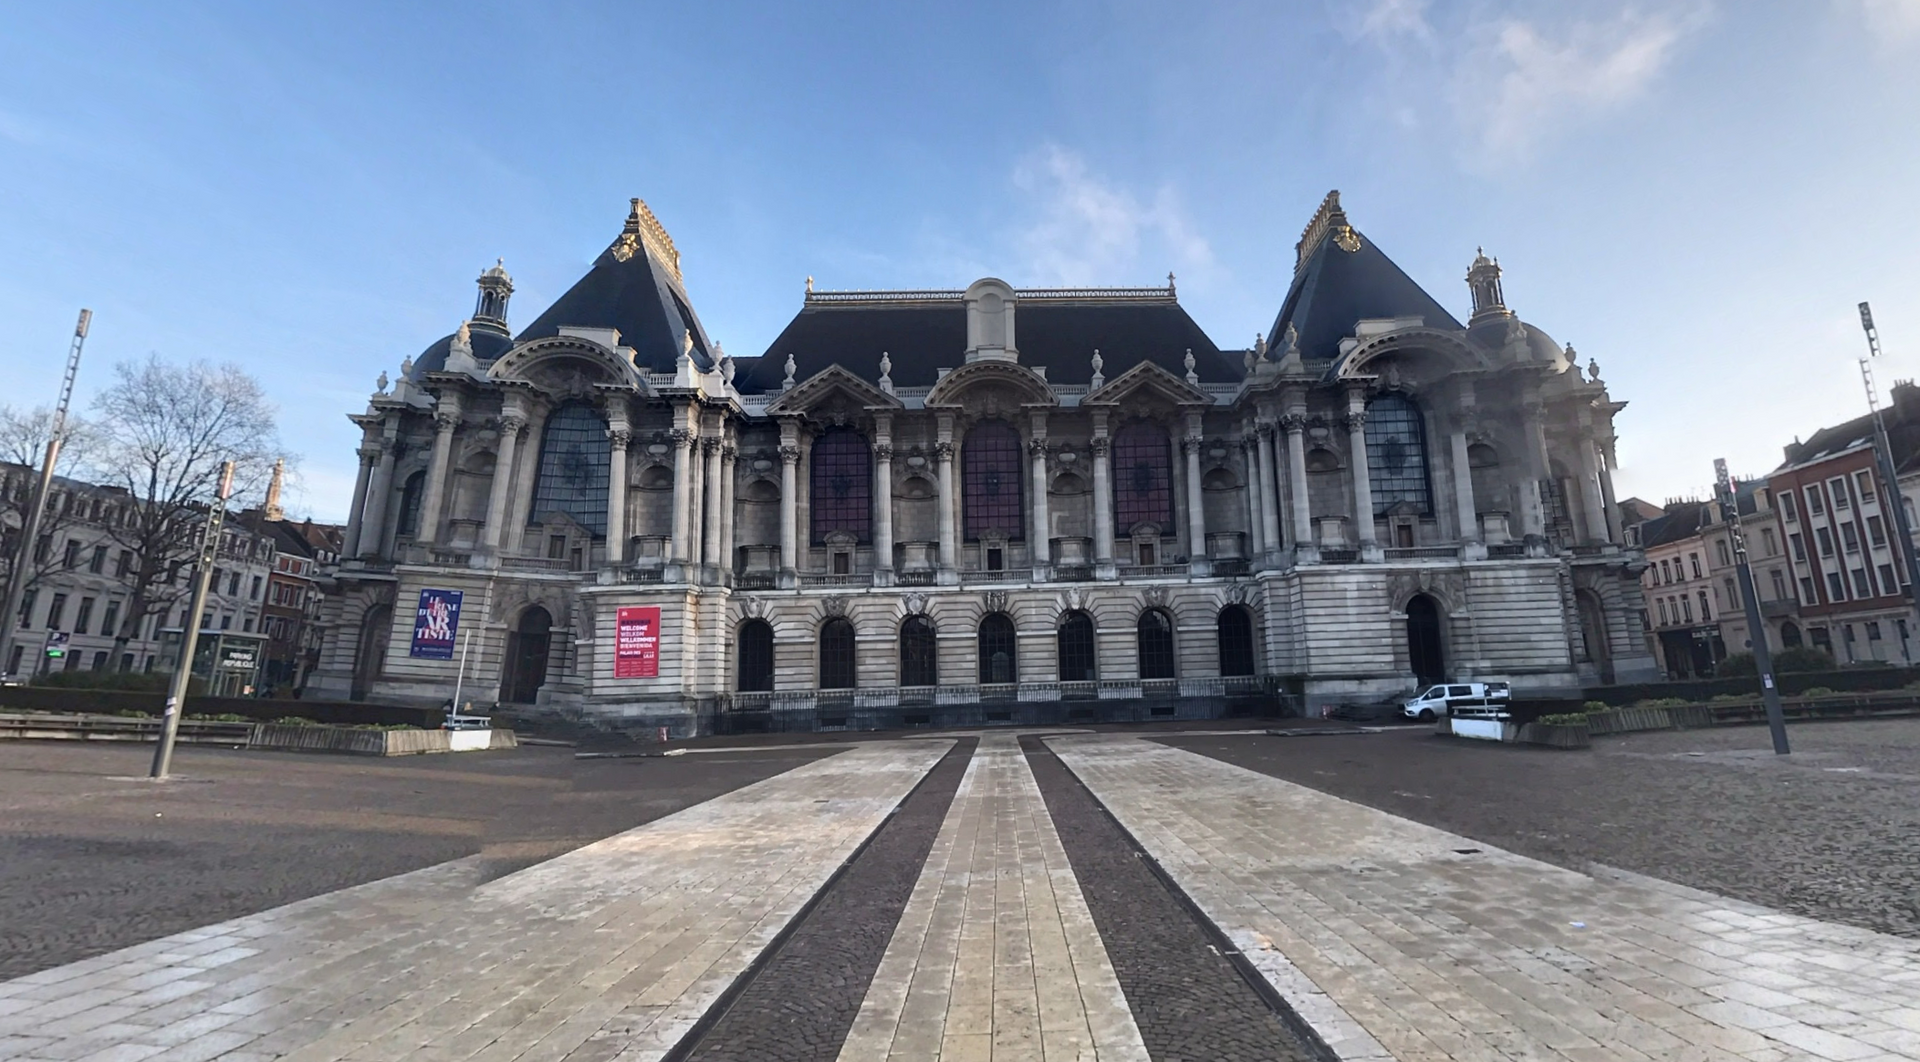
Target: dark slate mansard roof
[{"x": 922, "y": 332}]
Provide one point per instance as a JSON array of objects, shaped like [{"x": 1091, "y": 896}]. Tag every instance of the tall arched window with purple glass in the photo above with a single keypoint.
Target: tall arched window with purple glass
[
  {"x": 842, "y": 497},
  {"x": 1397, "y": 455},
  {"x": 990, "y": 480},
  {"x": 1142, "y": 478},
  {"x": 575, "y": 458}
]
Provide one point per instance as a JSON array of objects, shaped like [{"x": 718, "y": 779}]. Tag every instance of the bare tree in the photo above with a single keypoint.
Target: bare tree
[
  {"x": 23, "y": 444},
  {"x": 164, "y": 433}
]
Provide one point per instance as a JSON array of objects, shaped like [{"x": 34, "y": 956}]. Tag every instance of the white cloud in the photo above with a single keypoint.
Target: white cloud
[
  {"x": 1084, "y": 230},
  {"x": 1891, "y": 20},
  {"x": 1524, "y": 81},
  {"x": 1387, "y": 19}
]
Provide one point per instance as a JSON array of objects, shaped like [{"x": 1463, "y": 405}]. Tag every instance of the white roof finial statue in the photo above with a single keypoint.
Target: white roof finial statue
[
  {"x": 382, "y": 384},
  {"x": 1192, "y": 377},
  {"x": 886, "y": 372},
  {"x": 787, "y": 384},
  {"x": 686, "y": 341},
  {"x": 406, "y": 367},
  {"x": 1098, "y": 364},
  {"x": 1248, "y": 361},
  {"x": 1290, "y": 354},
  {"x": 1593, "y": 370},
  {"x": 809, "y": 283},
  {"x": 1170, "y": 287}
]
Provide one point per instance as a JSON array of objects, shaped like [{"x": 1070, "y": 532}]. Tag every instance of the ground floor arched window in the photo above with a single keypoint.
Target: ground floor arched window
[
  {"x": 756, "y": 657},
  {"x": 1156, "y": 644},
  {"x": 1424, "y": 650},
  {"x": 919, "y": 653},
  {"x": 1076, "y": 648},
  {"x": 836, "y": 655},
  {"x": 1235, "y": 630},
  {"x": 999, "y": 659}
]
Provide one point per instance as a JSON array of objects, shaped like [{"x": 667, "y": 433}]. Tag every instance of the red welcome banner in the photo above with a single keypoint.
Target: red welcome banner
[{"x": 636, "y": 643}]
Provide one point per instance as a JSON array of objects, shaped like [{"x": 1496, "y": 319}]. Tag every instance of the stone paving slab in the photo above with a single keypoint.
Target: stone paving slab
[
  {"x": 995, "y": 955},
  {"x": 1397, "y": 940},
  {"x": 611, "y": 951}
]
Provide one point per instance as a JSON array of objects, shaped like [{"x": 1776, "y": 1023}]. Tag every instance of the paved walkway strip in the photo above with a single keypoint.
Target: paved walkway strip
[
  {"x": 1397, "y": 940},
  {"x": 611, "y": 951},
  {"x": 799, "y": 1003},
  {"x": 995, "y": 956}
]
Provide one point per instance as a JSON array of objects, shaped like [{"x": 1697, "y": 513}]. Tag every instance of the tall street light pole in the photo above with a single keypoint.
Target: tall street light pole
[
  {"x": 36, "y": 509},
  {"x": 1728, "y": 495},
  {"x": 1884, "y": 452},
  {"x": 190, "y": 637}
]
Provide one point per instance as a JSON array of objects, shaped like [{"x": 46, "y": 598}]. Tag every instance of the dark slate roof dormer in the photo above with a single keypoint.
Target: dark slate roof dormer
[
  {"x": 925, "y": 331},
  {"x": 1341, "y": 278},
  {"x": 487, "y": 345},
  {"x": 634, "y": 287}
]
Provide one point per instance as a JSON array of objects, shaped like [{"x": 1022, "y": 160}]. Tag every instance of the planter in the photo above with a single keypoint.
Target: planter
[
  {"x": 1557, "y": 735},
  {"x": 288, "y": 738},
  {"x": 1629, "y": 720},
  {"x": 1478, "y": 729}
]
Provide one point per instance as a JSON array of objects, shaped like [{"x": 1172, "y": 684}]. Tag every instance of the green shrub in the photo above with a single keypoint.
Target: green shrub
[
  {"x": 132, "y": 713},
  {"x": 1662, "y": 702},
  {"x": 1737, "y": 665},
  {"x": 126, "y": 681},
  {"x": 1802, "y": 658},
  {"x": 1596, "y": 706},
  {"x": 1563, "y": 718},
  {"x": 220, "y": 717},
  {"x": 1720, "y": 698},
  {"x": 295, "y": 720},
  {"x": 1817, "y": 691}
]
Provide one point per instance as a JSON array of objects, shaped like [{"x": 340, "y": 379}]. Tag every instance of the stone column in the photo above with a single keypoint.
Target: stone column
[
  {"x": 446, "y": 418},
  {"x": 943, "y": 463},
  {"x": 525, "y": 483},
  {"x": 683, "y": 443},
  {"x": 1102, "y": 497},
  {"x": 1591, "y": 503},
  {"x": 789, "y": 502},
  {"x": 1614, "y": 531},
  {"x": 696, "y": 492},
  {"x": 727, "y": 455},
  {"x": 350, "y": 547},
  {"x": 373, "y": 525},
  {"x": 512, "y": 419},
  {"x": 1256, "y": 495},
  {"x": 1040, "y": 549},
  {"x": 1469, "y": 514},
  {"x": 710, "y": 496},
  {"x": 619, "y": 437},
  {"x": 883, "y": 500},
  {"x": 1362, "y": 484},
  {"x": 1270, "y": 487},
  {"x": 1295, "y": 423},
  {"x": 1533, "y": 517},
  {"x": 1196, "y": 501}
]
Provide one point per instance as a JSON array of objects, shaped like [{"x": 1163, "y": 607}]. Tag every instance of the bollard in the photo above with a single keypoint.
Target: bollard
[{"x": 663, "y": 735}]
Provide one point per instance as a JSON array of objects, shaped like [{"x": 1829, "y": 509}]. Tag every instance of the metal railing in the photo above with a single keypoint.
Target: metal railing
[
  {"x": 1423, "y": 552},
  {"x": 755, "y": 580}
]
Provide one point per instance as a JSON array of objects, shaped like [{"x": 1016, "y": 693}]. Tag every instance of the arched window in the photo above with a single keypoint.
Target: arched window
[
  {"x": 842, "y": 498},
  {"x": 575, "y": 456},
  {"x": 990, "y": 480},
  {"x": 1076, "y": 648},
  {"x": 1156, "y": 645},
  {"x": 1142, "y": 478},
  {"x": 836, "y": 655},
  {"x": 410, "y": 504},
  {"x": 1235, "y": 628},
  {"x": 999, "y": 657},
  {"x": 919, "y": 653},
  {"x": 1397, "y": 455},
  {"x": 756, "y": 657},
  {"x": 1425, "y": 652}
]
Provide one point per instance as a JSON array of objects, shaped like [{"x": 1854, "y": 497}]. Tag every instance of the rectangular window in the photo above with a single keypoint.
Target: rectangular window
[
  {"x": 125, "y": 564},
  {"x": 98, "y": 564},
  {"x": 1706, "y": 611},
  {"x": 1693, "y": 561},
  {"x": 1799, "y": 547},
  {"x": 1839, "y": 488},
  {"x": 1779, "y": 585},
  {"x": 1733, "y": 595},
  {"x": 71, "y": 557},
  {"x": 1863, "y": 483},
  {"x": 1873, "y": 630},
  {"x": 1876, "y": 531},
  {"x": 54, "y": 611},
  {"x": 842, "y": 563},
  {"x": 996, "y": 559},
  {"x": 84, "y": 617},
  {"x": 1666, "y": 573},
  {"x": 1808, "y": 593},
  {"x": 556, "y": 547},
  {"x": 26, "y": 608},
  {"x": 255, "y": 595},
  {"x": 1726, "y": 555},
  {"x": 233, "y": 584},
  {"x": 1815, "y": 507},
  {"x": 1786, "y": 508},
  {"x": 100, "y": 660},
  {"x": 1686, "y": 605},
  {"x": 126, "y": 662},
  {"x": 1825, "y": 538},
  {"x": 1836, "y": 588},
  {"x": 1861, "y": 588},
  {"x": 1850, "y": 537},
  {"x": 1768, "y": 544},
  {"x": 226, "y": 622},
  {"x": 1663, "y": 611},
  {"x": 1887, "y": 584},
  {"x": 248, "y": 626},
  {"x": 109, "y": 624}
]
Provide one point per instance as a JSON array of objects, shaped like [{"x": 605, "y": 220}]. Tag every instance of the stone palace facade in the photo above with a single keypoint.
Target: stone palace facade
[{"x": 996, "y": 504}]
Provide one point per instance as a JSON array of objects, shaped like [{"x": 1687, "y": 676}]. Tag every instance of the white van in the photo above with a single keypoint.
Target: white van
[{"x": 1436, "y": 701}]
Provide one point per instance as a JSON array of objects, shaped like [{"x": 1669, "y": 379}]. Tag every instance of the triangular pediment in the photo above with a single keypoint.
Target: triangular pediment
[
  {"x": 1002, "y": 382},
  {"x": 1147, "y": 380},
  {"x": 836, "y": 386}
]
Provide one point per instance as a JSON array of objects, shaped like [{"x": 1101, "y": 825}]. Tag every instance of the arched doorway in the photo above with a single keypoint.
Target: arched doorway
[
  {"x": 1235, "y": 631},
  {"x": 1593, "y": 632},
  {"x": 1424, "y": 651},
  {"x": 919, "y": 653},
  {"x": 1789, "y": 635},
  {"x": 837, "y": 671},
  {"x": 999, "y": 653},
  {"x": 526, "y": 666},
  {"x": 370, "y": 655},
  {"x": 1076, "y": 650},
  {"x": 1156, "y": 644},
  {"x": 756, "y": 657}
]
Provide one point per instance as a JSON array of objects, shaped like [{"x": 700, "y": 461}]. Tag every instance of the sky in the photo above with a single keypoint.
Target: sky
[{"x": 1694, "y": 194}]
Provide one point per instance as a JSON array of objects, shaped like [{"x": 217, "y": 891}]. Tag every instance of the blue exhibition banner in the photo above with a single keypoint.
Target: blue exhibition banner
[{"x": 435, "y": 624}]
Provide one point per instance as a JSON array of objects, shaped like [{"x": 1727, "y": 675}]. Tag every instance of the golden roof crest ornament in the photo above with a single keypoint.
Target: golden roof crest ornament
[
  {"x": 643, "y": 227},
  {"x": 1346, "y": 239}
]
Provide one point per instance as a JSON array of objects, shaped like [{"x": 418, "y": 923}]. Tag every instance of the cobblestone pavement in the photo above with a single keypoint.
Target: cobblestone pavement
[
  {"x": 798, "y": 1006},
  {"x": 1188, "y": 1000},
  {"x": 94, "y": 858},
  {"x": 612, "y": 950},
  {"x": 1397, "y": 940},
  {"x": 1831, "y": 832},
  {"x": 995, "y": 956}
]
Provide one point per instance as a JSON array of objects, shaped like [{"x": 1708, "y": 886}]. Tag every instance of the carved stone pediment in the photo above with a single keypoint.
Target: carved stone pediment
[
  {"x": 1007, "y": 385},
  {"x": 834, "y": 396},
  {"x": 566, "y": 366},
  {"x": 1147, "y": 385}
]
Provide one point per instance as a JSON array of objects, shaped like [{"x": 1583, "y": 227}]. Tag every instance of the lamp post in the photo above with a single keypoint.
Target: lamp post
[
  {"x": 190, "y": 636},
  {"x": 23, "y": 557},
  {"x": 1883, "y": 453},
  {"x": 1725, "y": 491}
]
